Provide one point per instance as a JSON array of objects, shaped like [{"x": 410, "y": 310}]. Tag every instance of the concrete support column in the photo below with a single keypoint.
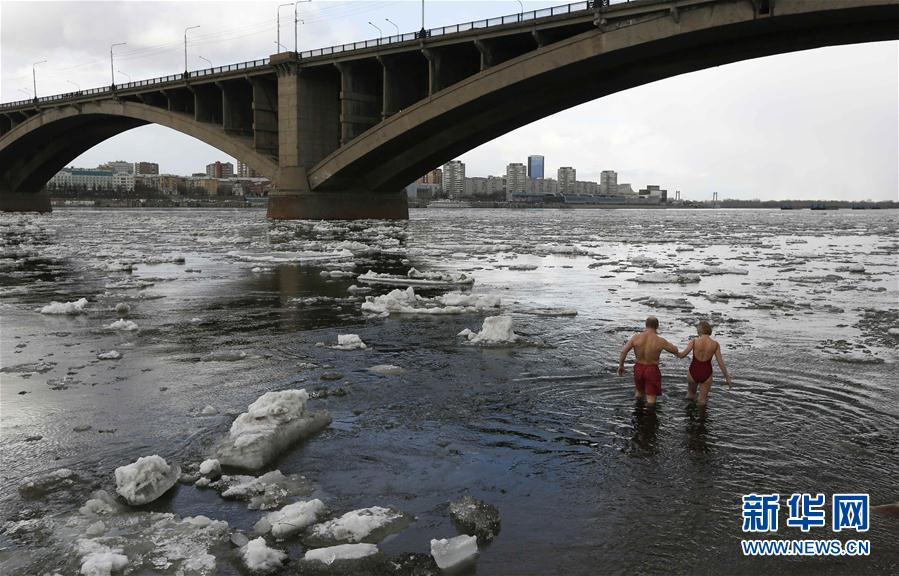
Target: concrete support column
[
  {"x": 237, "y": 106},
  {"x": 434, "y": 69},
  {"x": 361, "y": 96},
  {"x": 265, "y": 116}
]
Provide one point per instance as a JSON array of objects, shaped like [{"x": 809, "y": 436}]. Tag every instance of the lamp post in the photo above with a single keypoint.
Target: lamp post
[
  {"x": 125, "y": 74},
  {"x": 34, "y": 76},
  {"x": 207, "y": 60},
  {"x": 185, "y": 46},
  {"x": 279, "y": 22},
  {"x": 380, "y": 34},
  {"x": 26, "y": 91},
  {"x": 111, "y": 66},
  {"x": 422, "y": 18},
  {"x": 394, "y": 25},
  {"x": 296, "y": 20},
  {"x": 75, "y": 84},
  {"x": 521, "y": 6}
]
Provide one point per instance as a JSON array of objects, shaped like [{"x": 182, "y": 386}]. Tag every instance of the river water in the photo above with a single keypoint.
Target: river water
[{"x": 228, "y": 305}]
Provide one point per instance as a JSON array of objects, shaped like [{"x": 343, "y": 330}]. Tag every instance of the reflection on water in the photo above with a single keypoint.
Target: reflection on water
[{"x": 229, "y": 306}]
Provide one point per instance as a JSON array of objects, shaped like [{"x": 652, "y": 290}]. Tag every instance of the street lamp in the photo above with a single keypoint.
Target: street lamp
[
  {"x": 295, "y": 21},
  {"x": 75, "y": 84},
  {"x": 520, "y": 5},
  {"x": 207, "y": 60},
  {"x": 26, "y": 91},
  {"x": 111, "y": 66},
  {"x": 34, "y": 76},
  {"x": 380, "y": 34},
  {"x": 394, "y": 25},
  {"x": 185, "y": 46},
  {"x": 125, "y": 74},
  {"x": 422, "y": 18},
  {"x": 279, "y": 22}
]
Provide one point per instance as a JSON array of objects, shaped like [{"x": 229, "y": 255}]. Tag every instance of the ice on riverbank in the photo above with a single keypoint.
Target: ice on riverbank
[
  {"x": 331, "y": 554},
  {"x": 496, "y": 330},
  {"x": 271, "y": 424},
  {"x": 65, "y": 308},
  {"x": 146, "y": 479},
  {"x": 122, "y": 325},
  {"x": 416, "y": 278},
  {"x": 365, "y": 525},
  {"x": 290, "y": 519},
  {"x": 260, "y": 558},
  {"x": 107, "y": 537},
  {"x": 449, "y": 552},
  {"x": 407, "y": 302},
  {"x": 349, "y": 342}
]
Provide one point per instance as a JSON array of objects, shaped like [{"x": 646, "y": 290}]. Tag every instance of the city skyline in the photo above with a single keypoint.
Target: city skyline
[{"x": 778, "y": 127}]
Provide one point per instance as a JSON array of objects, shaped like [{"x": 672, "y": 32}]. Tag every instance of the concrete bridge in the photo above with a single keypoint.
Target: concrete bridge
[{"x": 340, "y": 131}]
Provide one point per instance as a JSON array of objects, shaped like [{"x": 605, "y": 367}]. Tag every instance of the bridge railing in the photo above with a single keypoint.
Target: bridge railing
[{"x": 442, "y": 31}]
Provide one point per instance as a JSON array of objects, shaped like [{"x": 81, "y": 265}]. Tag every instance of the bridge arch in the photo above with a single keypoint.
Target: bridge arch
[
  {"x": 35, "y": 150},
  {"x": 585, "y": 67}
]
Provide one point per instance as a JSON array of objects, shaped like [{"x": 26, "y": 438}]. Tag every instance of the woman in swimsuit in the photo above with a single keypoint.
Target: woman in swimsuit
[{"x": 700, "y": 373}]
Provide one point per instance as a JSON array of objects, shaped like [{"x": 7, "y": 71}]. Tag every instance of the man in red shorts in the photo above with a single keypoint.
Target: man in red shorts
[{"x": 648, "y": 346}]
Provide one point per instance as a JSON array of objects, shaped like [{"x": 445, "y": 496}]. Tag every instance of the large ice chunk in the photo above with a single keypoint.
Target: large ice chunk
[
  {"x": 416, "y": 278},
  {"x": 496, "y": 329},
  {"x": 70, "y": 308},
  {"x": 290, "y": 519},
  {"x": 341, "y": 552},
  {"x": 260, "y": 558},
  {"x": 450, "y": 552},
  {"x": 349, "y": 342},
  {"x": 271, "y": 423},
  {"x": 265, "y": 492},
  {"x": 98, "y": 559},
  {"x": 365, "y": 525},
  {"x": 145, "y": 480},
  {"x": 407, "y": 302}
]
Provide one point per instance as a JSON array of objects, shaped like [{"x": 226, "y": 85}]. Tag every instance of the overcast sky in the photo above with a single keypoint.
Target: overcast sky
[{"x": 816, "y": 124}]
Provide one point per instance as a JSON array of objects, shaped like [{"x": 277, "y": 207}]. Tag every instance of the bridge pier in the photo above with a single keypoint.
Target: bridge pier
[
  {"x": 20, "y": 202},
  {"x": 353, "y": 205}
]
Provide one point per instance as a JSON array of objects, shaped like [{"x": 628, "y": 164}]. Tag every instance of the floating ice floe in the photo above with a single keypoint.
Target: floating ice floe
[
  {"x": 122, "y": 325},
  {"x": 290, "y": 519},
  {"x": 496, "y": 330},
  {"x": 122, "y": 309},
  {"x": 407, "y": 302},
  {"x": 857, "y": 358},
  {"x": 550, "y": 248},
  {"x": 365, "y": 525},
  {"x": 225, "y": 356},
  {"x": 265, "y": 492},
  {"x": 549, "y": 311},
  {"x": 97, "y": 559},
  {"x": 681, "y": 303},
  {"x": 331, "y": 554},
  {"x": 643, "y": 261},
  {"x": 260, "y": 558},
  {"x": 358, "y": 289},
  {"x": 146, "y": 479},
  {"x": 271, "y": 424},
  {"x": 111, "y": 355},
  {"x": 415, "y": 278},
  {"x": 211, "y": 468},
  {"x": 893, "y": 332},
  {"x": 450, "y": 552},
  {"x": 40, "y": 486},
  {"x": 711, "y": 270},
  {"x": 68, "y": 308},
  {"x": 336, "y": 273},
  {"x": 386, "y": 370},
  {"x": 523, "y": 267},
  {"x": 296, "y": 257},
  {"x": 663, "y": 278},
  {"x": 349, "y": 342},
  {"x": 853, "y": 268},
  {"x": 208, "y": 410}
]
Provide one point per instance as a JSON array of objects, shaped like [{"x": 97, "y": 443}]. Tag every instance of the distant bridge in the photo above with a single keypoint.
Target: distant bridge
[{"x": 340, "y": 131}]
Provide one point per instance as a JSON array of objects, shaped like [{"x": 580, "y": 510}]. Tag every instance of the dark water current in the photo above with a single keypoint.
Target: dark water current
[{"x": 229, "y": 306}]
